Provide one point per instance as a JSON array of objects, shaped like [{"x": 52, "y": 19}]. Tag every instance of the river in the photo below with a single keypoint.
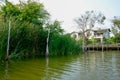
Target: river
[{"x": 89, "y": 66}]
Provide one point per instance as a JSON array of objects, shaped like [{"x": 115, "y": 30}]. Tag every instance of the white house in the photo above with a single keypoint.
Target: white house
[
  {"x": 76, "y": 35},
  {"x": 98, "y": 34},
  {"x": 101, "y": 33}
]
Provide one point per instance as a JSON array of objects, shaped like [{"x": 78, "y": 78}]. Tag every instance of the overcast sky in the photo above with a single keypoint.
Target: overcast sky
[{"x": 68, "y": 10}]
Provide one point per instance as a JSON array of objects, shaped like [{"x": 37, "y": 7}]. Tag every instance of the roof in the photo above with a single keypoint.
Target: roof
[
  {"x": 101, "y": 30},
  {"x": 94, "y": 30}
]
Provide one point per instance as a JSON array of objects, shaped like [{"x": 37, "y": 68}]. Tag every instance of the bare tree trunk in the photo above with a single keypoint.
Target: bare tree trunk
[
  {"x": 47, "y": 48},
  {"x": 93, "y": 42},
  {"x": 5, "y": 2},
  {"x": 83, "y": 46},
  {"x": 83, "y": 43},
  {"x": 8, "y": 44},
  {"x": 102, "y": 44}
]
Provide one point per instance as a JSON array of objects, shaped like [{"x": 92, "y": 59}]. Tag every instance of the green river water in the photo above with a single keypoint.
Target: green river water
[{"x": 89, "y": 66}]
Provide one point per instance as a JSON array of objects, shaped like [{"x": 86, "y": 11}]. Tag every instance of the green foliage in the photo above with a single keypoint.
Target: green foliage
[
  {"x": 117, "y": 37},
  {"x": 114, "y": 30},
  {"x": 110, "y": 40},
  {"x": 25, "y": 43},
  {"x": 90, "y": 41},
  {"x": 33, "y": 13},
  {"x": 116, "y": 22},
  {"x": 55, "y": 27},
  {"x": 63, "y": 45},
  {"x": 28, "y": 37},
  {"x": 9, "y": 10},
  {"x": 113, "y": 40}
]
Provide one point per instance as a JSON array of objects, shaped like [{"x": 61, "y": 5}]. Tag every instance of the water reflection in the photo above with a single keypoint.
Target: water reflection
[
  {"x": 89, "y": 66},
  {"x": 4, "y": 71},
  {"x": 6, "y": 76},
  {"x": 46, "y": 70}
]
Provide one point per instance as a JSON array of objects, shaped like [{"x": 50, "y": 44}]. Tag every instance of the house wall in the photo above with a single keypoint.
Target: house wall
[
  {"x": 75, "y": 36},
  {"x": 91, "y": 34},
  {"x": 106, "y": 34}
]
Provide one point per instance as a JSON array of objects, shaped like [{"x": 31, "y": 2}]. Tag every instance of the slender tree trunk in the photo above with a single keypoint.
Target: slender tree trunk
[
  {"x": 5, "y": 2},
  {"x": 47, "y": 48},
  {"x": 83, "y": 46},
  {"x": 83, "y": 43},
  {"x": 93, "y": 42},
  {"x": 102, "y": 44},
  {"x": 8, "y": 44},
  {"x": 119, "y": 28}
]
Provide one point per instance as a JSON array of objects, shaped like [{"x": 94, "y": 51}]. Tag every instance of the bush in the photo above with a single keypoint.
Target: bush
[
  {"x": 25, "y": 42},
  {"x": 117, "y": 37},
  {"x": 63, "y": 45}
]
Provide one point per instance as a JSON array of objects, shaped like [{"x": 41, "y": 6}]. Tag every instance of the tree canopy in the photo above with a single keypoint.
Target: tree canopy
[
  {"x": 116, "y": 22},
  {"x": 88, "y": 20},
  {"x": 55, "y": 27},
  {"x": 30, "y": 13}
]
